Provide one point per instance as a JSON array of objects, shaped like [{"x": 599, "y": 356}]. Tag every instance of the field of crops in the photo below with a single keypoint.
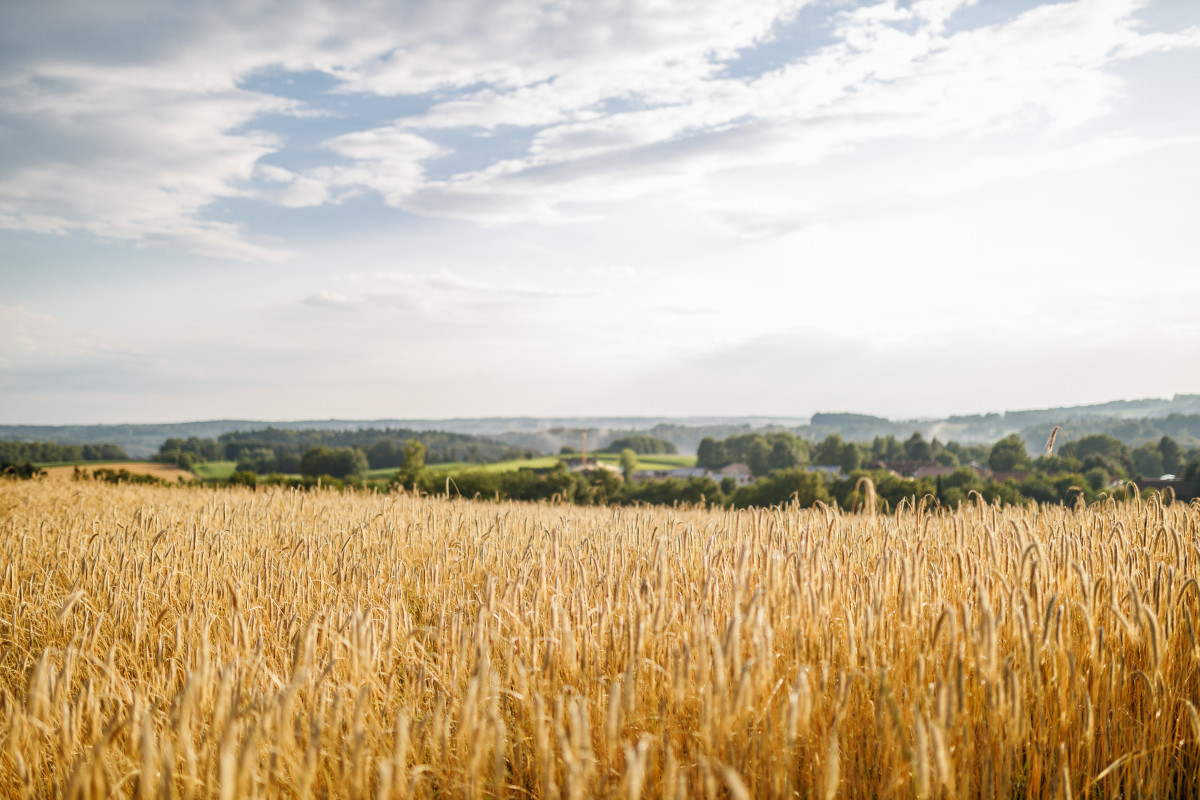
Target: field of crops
[
  {"x": 166, "y": 472},
  {"x": 199, "y": 642}
]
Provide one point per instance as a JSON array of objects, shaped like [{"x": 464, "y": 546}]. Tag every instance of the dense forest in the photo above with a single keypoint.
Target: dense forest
[
  {"x": 49, "y": 452},
  {"x": 282, "y": 450}
]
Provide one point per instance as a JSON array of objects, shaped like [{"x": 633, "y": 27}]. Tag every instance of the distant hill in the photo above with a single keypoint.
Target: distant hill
[{"x": 1131, "y": 421}]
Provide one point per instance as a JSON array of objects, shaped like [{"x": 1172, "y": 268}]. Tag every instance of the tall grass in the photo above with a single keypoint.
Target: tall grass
[{"x": 200, "y": 643}]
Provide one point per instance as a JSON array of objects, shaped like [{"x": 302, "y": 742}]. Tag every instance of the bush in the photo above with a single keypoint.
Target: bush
[
  {"x": 782, "y": 487},
  {"x": 243, "y": 478},
  {"x": 338, "y": 462},
  {"x": 22, "y": 471},
  {"x": 123, "y": 476}
]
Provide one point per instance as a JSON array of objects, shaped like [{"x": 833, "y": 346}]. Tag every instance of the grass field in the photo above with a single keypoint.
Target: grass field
[
  {"x": 546, "y": 462},
  {"x": 453, "y": 467},
  {"x": 214, "y": 470},
  {"x": 650, "y": 461},
  {"x": 382, "y": 474},
  {"x": 192, "y": 642}
]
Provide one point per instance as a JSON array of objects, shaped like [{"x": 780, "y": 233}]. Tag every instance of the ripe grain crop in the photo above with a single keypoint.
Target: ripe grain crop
[{"x": 198, "y": 642}]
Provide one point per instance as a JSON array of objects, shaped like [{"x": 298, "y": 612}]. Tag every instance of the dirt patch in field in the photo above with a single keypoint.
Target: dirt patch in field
[{"x": 168, "y": 472}]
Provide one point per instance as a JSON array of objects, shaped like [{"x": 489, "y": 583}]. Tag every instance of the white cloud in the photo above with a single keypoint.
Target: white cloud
[
  {"x": 1043, "y": 73},
  {"x": 127, "y": 130},
  {"x": 139, "y": 163}
]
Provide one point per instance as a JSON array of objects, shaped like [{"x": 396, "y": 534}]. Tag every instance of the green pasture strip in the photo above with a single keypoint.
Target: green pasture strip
[
  {"x": 655, "y": 461},
  {"x": 383, "y": 473},
  {"x": 47, "y": 464},
  {"x": 455, "y": 467},
  {"x": 214, "y": 470}
]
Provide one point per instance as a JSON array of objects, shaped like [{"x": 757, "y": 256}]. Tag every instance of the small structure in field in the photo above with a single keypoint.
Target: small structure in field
[
  {"x": 690, "y": 472},
  {"x": 826, "y": 470},
  {"x": 739, "y": 472},
  {"x": 589, "y": 464}
]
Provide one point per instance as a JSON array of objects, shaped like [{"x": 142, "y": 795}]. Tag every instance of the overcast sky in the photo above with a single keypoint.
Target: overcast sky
[{"x": 302, "y": 210}]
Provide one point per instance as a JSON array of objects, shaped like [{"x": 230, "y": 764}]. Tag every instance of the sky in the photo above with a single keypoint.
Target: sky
[{"x": 304, "y": 210}]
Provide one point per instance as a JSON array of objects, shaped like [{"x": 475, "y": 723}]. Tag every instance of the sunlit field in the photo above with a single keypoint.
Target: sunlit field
[
  {"x": 166, "y": 472},
  {"x": 198, "y": 642}
]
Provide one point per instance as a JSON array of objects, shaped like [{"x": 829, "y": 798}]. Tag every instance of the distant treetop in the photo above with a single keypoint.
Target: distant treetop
[{"x": 642, "y": 445}]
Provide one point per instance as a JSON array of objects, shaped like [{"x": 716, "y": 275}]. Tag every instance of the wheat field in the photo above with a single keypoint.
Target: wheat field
[{"x": 195, "y": 643}]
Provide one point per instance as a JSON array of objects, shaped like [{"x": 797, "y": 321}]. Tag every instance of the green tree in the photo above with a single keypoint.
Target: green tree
[
  {"x": 782, "y": 487},
  {"x": 1191, "y": 476},
  {"x": 946, "y": 458},
  {"x": 383, "y": 454},
  {"x": 917, "y": 449},
  {"x": 316, "y": 461},
  {"x": 628, "y": 462},
  {"x": 711, "y": 454},
  {"x": 850, "y": 457},
  {"x": 258, "y": 460},
  {"x": 1110, "y": 465},
  {"x": 893, "y": 450},
  {"x": 1009, "y": 454},
  {"x": 414, "y": 456},
  {"x": 352, "y": 462},
  {"x": 1097, "y": 478},
  {"x": 1148, "y": 460},
  {"x": 1109, "y": 449},
  {"x": 758, "y": 456},
  {"x": 1172, "y": 455},
  {"x": 829, "y": 451},
  {"x": 783, "y": 456},
  {"x": 336, "y": 462},
  {"x": 413, "y": 468},
  {"x": 642, "y": 444}
]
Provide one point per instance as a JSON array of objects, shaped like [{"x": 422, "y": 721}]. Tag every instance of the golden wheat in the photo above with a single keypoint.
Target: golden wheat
[{"x": 194, "y": 643}]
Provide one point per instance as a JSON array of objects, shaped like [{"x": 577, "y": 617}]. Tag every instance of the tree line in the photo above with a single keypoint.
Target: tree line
[
  {"x": 765, "y": 453},
  {"x": 887, "y": 490},
  {"x": 1078, "y": 470},
  {"x": 282, "y": 450},
  {"x": 49, "y": 452},
  {"x": 779, "y": 461},
  {"x": 1094, "y": 462}
]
